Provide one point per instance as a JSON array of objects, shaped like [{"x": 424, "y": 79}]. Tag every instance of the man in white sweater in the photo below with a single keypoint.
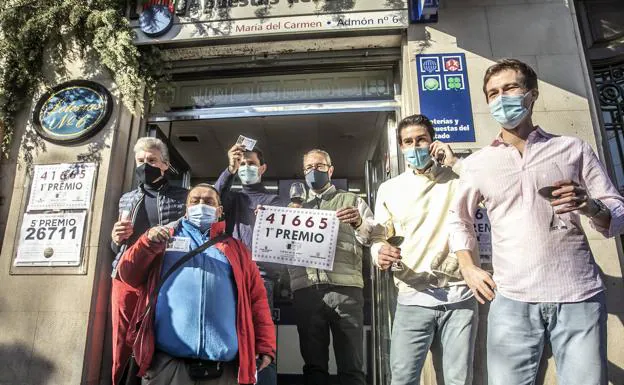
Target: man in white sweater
[{"x": 435, "y": 307}]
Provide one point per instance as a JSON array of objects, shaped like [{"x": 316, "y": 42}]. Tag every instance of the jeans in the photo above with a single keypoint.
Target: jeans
[
  {"x": 339, "y": 309},
  {"x": 268, "y": 375},
  {"x": 450, "y": 330},
  {"x": 517, "y": 332}
]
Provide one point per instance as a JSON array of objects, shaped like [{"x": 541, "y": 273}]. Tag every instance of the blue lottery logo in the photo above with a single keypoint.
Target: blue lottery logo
[{"x": 429, "y": 65}]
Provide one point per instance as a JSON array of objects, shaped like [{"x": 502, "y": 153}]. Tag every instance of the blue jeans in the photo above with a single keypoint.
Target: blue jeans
[
  {"x": 268, "y": 375},
  {"x": 517, "y": 332},
  {"x": 449, "y": 329}
]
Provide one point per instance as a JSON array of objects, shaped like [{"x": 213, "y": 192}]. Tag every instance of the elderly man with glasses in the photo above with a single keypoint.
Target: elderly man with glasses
[{"x": 332, "y": 300}]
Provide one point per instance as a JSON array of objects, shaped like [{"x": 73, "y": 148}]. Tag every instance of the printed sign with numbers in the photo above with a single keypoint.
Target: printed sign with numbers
[
  {"x": 299, "y": 237},
  {"x": 483, "y": 229},
  {"x": 61, "y": 186},
  {"x": 51, "y": 239}
]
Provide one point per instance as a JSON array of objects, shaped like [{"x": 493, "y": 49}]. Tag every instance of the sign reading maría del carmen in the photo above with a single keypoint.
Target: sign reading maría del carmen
[
  {"x": 203, "y": 19},
  {"x": 72, "y": 111}
]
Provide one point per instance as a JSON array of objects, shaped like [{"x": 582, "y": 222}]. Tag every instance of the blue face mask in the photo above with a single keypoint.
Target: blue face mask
[
  {"x": 417, "y": 157},
  {"x": 316, "y": 179},
  {"x": 249, "y": 174},
  {"x": 201, "y": 216},
  {"x": 509, "y": 110}
]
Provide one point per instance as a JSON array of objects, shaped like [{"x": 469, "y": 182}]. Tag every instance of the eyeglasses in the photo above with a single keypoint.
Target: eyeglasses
[{"x": 323, "y": 167}]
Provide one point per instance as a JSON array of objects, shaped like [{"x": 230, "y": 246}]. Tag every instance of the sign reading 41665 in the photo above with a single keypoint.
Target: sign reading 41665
[
  {"x": 299, "y": 237},
  {"x": 61, "y": 186}
]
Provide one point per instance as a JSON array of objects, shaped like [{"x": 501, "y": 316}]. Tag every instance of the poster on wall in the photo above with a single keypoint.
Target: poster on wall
[
  {"x": 51, "y": 239},
  {"x": 299, "y": 237},
  {"x": 444, "y": 95},
  {"x": 66, "y": 186},
  {"x": 483, "y": 230}
]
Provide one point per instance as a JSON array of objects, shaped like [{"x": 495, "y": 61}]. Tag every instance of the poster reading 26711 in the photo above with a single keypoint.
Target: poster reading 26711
[{"x": 445, "y": 95}]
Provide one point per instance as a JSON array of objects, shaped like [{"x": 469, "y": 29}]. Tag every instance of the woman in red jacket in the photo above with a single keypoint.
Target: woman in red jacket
[{"x": 210, "y": 320}]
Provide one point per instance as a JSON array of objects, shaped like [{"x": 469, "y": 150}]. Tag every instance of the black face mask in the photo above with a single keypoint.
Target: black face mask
[
  {"x": 316, "y": 179},
  {"x": 147, "y": 174}
]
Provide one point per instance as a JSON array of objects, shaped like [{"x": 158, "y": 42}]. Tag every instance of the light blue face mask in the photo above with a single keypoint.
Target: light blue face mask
[
  {"x": 509, "y": 110},
  {"x": 201, "y": 216},
  {"x": 417, "y": 157},
  {"x": 249, "y": 174}
]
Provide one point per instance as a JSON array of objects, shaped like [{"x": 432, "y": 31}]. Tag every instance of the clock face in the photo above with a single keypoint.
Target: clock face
[{"x": 156, "y": 20}]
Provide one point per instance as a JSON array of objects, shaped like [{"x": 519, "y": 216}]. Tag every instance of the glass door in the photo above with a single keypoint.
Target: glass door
[{"x": 383, "y": 166}]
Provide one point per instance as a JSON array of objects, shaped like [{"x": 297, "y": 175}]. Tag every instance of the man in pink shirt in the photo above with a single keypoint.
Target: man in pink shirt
[{"x": 546, "y": 285}]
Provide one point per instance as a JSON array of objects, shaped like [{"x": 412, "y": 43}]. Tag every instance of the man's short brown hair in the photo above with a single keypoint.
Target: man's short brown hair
[
  {"x": 529, "y": 77},
  {"x": 415, "y": 120}
]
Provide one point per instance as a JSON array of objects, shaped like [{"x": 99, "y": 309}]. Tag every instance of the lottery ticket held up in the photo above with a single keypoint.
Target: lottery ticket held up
[{"x": 246, "y": 142}]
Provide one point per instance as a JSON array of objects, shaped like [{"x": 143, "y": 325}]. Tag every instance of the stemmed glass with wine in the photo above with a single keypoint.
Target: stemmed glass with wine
[{"x": 546, "y": 179}]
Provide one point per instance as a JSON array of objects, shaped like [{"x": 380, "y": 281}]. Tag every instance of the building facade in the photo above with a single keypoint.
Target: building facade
[{"x": 295, "y": 75}]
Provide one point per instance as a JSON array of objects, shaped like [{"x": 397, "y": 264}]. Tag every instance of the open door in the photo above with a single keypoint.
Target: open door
[
  {"x": 383, "y": 166},
  {"x": 179, "y": 170}
]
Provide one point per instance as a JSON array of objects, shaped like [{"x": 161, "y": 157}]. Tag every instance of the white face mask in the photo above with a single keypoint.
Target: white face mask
[
  {"x": 202, "y": 216},
  {"x": 249, "y": 174}
]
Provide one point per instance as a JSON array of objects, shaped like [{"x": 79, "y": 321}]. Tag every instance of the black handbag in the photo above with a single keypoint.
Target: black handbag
[{"x": 130, "y": 375}]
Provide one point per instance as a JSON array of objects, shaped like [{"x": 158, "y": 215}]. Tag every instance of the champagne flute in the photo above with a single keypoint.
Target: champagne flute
[
  {"x": 297, "y": 193},
  {"x": 546, "y": 179}
]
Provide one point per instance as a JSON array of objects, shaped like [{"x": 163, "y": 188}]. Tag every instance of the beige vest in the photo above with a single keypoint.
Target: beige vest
[{"x": 347, "y": 269}]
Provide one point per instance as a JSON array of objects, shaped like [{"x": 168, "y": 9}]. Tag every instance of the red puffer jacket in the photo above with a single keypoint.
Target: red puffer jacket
[{"x": 140, "y": 267}]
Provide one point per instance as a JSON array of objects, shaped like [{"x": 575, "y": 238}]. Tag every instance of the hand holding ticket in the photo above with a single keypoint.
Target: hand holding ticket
[{"x": 247, "y": 143}]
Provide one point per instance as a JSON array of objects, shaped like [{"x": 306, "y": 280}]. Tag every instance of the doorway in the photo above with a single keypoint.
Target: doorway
[{"x": 360, "y": 144}]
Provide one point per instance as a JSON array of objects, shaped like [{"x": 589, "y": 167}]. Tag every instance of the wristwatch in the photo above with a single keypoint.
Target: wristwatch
[{"x": 600, "y": 209}]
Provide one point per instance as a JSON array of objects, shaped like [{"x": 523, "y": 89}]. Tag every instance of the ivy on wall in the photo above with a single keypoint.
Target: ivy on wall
[{"x": 39, "y": 34}]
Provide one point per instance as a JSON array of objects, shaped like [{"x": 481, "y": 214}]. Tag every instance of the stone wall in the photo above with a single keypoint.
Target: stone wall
[{"x": 53, "y": 326}]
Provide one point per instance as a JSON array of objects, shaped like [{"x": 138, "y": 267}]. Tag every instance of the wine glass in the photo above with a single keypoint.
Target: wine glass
[
  {"x": 297, "y": 193},
  {"x": 546, "y": 179},
  {"x": 396, "y": 241}
]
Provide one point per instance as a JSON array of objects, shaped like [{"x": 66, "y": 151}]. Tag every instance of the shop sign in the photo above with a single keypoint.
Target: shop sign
[
  {"x": 51, "y": 239},
  {"x": 444, "y": 95},
  {"x": 299, "y": 237},
  {"x": 72, "y": 111},
  {"x": 483, "y": 230},
  {"x": 61, "y": 186},
  {"x": 231, "y": 18},
  {"x": 300, "y": 88}
]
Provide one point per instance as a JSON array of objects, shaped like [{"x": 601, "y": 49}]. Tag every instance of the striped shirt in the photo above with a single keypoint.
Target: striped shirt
[{"x": 533, "y": 263}]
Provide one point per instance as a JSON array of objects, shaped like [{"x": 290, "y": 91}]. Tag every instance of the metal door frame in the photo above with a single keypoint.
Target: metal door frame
[{"x": 382, "y": 281}]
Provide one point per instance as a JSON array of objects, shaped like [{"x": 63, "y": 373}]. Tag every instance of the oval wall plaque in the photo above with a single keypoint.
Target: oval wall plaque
[
  {"x": 72, "y": 111},
  {"x": 156, "y": 20}
]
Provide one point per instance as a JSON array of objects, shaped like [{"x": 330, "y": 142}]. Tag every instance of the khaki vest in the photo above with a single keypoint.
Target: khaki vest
[{"x": 347, "y": 269}]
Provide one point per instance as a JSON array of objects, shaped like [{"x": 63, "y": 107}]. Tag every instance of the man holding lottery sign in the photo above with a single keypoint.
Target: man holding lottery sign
[{"x": 333, "y": 300}]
